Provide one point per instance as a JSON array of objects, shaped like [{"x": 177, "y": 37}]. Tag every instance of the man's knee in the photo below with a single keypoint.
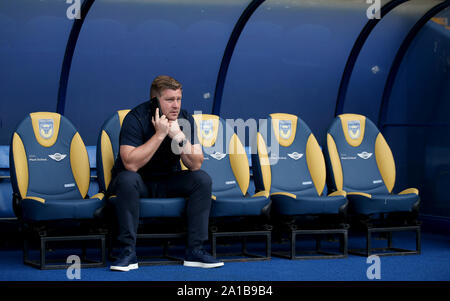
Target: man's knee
[
  {"x": 126, "y": 187},
  {"x": 202, "y": 179},
  {"x": 128, "y": 178}
]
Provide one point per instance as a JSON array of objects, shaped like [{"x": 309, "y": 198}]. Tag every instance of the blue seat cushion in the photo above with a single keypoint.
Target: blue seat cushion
[
  {"x": 238, "y": 206},
  {"x": 286, "y": 205},
  {"x": 162, "y": 207},
  {"x": 60, "y": 209},
  {"x": 384, "y": 203}
]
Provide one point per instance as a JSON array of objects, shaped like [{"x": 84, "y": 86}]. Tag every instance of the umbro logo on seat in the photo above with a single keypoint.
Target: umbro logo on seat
[
  {"x": 218, "y": 156},
  {"x": 365, "y": 155},
  {"x": 57, "y": 156},
  {"x": 295, "y": 155}
]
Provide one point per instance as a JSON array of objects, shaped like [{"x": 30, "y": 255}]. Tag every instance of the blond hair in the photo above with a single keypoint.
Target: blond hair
[{"x": 163, "y": 82}]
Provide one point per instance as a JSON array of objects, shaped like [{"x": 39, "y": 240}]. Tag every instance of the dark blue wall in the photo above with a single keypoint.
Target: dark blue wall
[
  {"x": 33, "y": 38},
  {"x": 123, "y": 46},
  {"x": 371, "y": 70},
  {"x": 417, "y": 124},
  {"x": 290, "y": 57}
]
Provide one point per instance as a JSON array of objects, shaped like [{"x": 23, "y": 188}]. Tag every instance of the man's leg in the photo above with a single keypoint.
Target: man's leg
[
  {"x": 196, "y": 187},
  {"x": 128, "y": 188}
]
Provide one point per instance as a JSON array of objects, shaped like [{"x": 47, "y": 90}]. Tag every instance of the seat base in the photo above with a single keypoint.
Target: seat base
[
  {"x": 159, "y": 230},
  {"x": 244, "y": 255},
  {"x": 248, "y": 231},
  {"x": 318, "y": 227},
  {"x": 389, "y": 250},
  {"x": 165, "y": 258},
  {"x": 41, "y": 263},
  {"x": 317, "y": 253}
]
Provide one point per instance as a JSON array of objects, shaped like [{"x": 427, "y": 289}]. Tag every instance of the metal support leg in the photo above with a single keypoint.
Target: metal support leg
[
  {"x": 345, "y": 244},
  {"x": 42, "y": 252},
  {"x": 368, "y": 242},
  {"x": 418, "y": 239},
  {"x": 293, "y": 243},
  {"x": 244, "y": 245},
  {"x": 318, "y": 243},
  {"x": 214, "y": 246},
  {"x": 389, "y": 240}
]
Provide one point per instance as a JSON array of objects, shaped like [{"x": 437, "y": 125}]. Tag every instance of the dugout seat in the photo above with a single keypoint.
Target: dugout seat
[
  {"x": 50, "y": 177},
  {"x": 363, "y": 165},
  {"x": 150, "y": 208},
  {"x": 289, "y": 161},
  {"x": 234, "y": 212}
]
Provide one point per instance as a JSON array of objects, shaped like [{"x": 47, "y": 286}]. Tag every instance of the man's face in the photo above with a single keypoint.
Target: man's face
[{"x": 170, "y": 102}]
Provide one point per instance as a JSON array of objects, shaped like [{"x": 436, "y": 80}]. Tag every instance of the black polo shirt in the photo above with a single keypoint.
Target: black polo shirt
[{"x": 137, "y": 128}]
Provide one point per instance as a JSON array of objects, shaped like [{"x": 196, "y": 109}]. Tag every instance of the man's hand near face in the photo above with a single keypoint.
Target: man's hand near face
[
  {"x": 191, "y": 155},
  {"x": 175, "y": 131},
  {"x": 161, "y": 124}
]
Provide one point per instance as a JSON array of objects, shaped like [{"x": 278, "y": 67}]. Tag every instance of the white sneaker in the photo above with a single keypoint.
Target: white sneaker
[{"x": 198, "y": 258}]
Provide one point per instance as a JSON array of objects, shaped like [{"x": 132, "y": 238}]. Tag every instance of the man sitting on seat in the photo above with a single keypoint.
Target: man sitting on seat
[{"x": 147, "y": 166}]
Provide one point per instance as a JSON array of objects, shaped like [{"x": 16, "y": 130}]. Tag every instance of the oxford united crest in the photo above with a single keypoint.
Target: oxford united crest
[
  {"x": 206, "y": 128},
  {"x": 46, "y": 128},
  {"x": 354, "y": 129},
  {"x": 285, "y": 129}
]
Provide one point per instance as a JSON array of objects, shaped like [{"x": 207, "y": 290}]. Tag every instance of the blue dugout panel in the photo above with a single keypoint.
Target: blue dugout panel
[
  {"x": 372, "y": 67},
  {"x": 245, "y": 59},
  {"x": 290, "y": 58},
  {"x": 33, "y": 38},
  {"x": 123, "y": 45},
  {"x": 417, "y": 122}
]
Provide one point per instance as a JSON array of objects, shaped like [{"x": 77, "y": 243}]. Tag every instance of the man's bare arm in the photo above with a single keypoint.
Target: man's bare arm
[
  {"x": 134, "y": 158},
  {"x": 192, "y": 156}
]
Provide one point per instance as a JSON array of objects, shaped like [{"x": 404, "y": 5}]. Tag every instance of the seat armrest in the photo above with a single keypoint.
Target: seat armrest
[
  {"x": 263, "y": 193},
  {"x": 99, "y": 195},
  {"x": 36, "y": 199},
  {"x": 410, "y": 190},
  {"x": 291, "y": 195},
  {"x": 360, "y": 193},
  {"x": 338, "y": 193}
]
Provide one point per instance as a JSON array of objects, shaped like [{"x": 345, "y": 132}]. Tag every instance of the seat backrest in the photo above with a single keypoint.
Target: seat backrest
[
  {"x": 225, "y": 159},
  {"x": 360, "y": 157},
  {"x": 288, "y": 157},
  {"x": 48, "y": 158},
  {"x": 108, "y": 147}
]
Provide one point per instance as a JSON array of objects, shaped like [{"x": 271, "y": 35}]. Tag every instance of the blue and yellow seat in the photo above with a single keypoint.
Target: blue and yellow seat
[
  {"x": 363, "y": 165},
  {"x": 289, "y": 162},
  {"x": 226, "y": 161},
  {"x": 50, "y": 171}
]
